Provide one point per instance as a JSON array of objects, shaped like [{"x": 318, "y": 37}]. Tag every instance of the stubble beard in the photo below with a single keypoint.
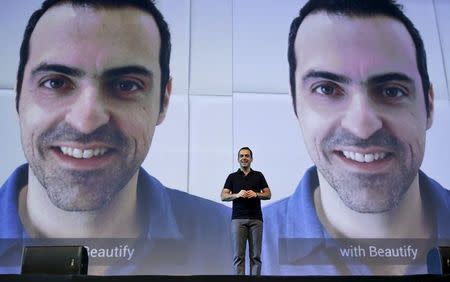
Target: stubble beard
[
  {"x": 76, "y": 190},
  {"x": 365, "y": 192},
  {"x": 71, "y": 190}
]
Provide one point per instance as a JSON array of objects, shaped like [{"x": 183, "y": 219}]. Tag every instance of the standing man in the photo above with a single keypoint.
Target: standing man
[
  {"x": 364, "y": 102},
  {"x": 246, "y": 188},
  {"x": 93, "y": 83}
]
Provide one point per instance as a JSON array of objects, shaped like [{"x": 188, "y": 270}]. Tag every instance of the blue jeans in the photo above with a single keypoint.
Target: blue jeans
[{"x": 241, "y": 231}]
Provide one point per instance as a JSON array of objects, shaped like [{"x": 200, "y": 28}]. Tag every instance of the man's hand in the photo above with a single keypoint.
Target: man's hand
[
  {"x": 242, "y": 194},
  {"x": 245, "y": 194},
  {"x": 250, "y": 194}
]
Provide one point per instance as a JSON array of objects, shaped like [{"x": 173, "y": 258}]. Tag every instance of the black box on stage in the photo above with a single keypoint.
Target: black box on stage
[
  {"x": 438, "y": 260},
  {"x": 54, "y": 260}
]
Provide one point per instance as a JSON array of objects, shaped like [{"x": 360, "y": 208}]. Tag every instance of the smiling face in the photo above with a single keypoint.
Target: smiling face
[
  {"x": 361, "y": 107},
  {"x": 90, "y": 102},
  {"x": 245, "y": 158}
]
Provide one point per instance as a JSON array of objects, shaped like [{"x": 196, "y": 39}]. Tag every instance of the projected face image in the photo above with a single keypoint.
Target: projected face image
[
  {"x": 361, "y": 107},
  {"x": 90, "y": 102}
]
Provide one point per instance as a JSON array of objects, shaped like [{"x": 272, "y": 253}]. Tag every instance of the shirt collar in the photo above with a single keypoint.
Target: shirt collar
[
  {"x": 162, "y": 222},
  {"x": 10, "y": 224},
  {"x": 306, "y": 224},
  {"x": 436, "y": 199},
  {"x": 302, "y": 210},
  {"x": 154, "y": 199},
  {"x": 239, "y": 170}
]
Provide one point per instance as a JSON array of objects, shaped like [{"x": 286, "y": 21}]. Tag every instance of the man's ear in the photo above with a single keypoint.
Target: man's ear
[
  {"x": 165, "y": 103},
  {"x": 430, "y": 112},
  {"x": 15, "y": 101}
]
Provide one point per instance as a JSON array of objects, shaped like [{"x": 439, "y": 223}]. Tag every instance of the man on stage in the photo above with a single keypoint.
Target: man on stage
[{"x": 246, "y": 188}]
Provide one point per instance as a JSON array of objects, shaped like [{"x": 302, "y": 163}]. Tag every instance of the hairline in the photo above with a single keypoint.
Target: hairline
[
  {"x": 96, "y": 6},
  {"x": 357, "y": 15},
  {"x": 246, "y": 148}
]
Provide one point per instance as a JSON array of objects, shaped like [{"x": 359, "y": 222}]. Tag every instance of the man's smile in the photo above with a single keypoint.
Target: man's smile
[
  {"x": 364, "y": 157},
  {"x": 83, "y": 154}
]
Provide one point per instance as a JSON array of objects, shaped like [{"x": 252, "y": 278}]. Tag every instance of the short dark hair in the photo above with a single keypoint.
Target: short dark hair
[
  {"x": 144, "y": 5},
  {"x": 245, "y": 148},
  {"x": 359, "y": 8}
]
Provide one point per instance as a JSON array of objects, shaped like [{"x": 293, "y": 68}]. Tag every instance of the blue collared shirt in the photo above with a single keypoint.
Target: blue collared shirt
[
  {"x": 294, "y": 238},
  {"x": 184, "y": 234}
]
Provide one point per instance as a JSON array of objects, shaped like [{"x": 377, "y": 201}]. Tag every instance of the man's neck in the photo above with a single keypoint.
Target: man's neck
[
  {"x": 402, "y": 221},
  {"x": 245, "y": 170},
  {"x": 118, "y": 219}
]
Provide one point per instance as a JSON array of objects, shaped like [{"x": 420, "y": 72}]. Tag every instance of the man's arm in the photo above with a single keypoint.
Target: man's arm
[
  {"x": 227, "y": 196},
  {"x": 265, "y": 194}
]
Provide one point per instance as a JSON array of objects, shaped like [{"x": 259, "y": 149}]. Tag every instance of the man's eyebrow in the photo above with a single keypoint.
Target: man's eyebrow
[
  {"x": 45, "y": 67},
  {"x": 386, "y": 77},
  {"x": 327, "y": 75},
  {"x": 133, "y": 69},
  {"x": 375, "y": 79}
]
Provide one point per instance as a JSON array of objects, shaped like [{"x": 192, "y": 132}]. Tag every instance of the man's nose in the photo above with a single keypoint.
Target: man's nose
[
  {"x": 362, "y": 117},
  {"x": 89, "y": 111}
]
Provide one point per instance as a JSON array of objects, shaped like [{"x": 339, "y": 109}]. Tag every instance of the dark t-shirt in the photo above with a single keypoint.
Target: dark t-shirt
[{"x": 246, "y": 208}]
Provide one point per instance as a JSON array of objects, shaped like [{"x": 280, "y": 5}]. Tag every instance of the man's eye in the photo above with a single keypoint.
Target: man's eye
[
  {"x": 54, "y": 83},
  {"x": 325, "y": 90},
  {"x": 393, "y": 92},
  {"x": 126, "y": 86}
]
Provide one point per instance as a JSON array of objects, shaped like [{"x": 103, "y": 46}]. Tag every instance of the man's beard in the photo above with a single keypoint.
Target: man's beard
[
  {"x": 366, "y": 192},
  {"x": 76, "y": 190}
]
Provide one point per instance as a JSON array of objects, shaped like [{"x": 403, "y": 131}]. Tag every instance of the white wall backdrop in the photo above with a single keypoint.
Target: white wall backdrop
[{"x": 231, "y": 90}]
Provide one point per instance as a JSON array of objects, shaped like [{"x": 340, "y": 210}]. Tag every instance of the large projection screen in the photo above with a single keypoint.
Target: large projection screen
[{"x": 231, "y": 89}]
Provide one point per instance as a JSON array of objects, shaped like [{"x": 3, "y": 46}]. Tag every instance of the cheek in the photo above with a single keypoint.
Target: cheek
[
  {"x": 35, "y": 119},
  {"x": 33, "y": 122},
  {"x": 39, "y": 111},
  {"x": 411, "y": 129},
  {"x": 315, "y": 125},
  {"x": 409, "y": 121},
  {"x": 310, "y": 127},
  {"x": 140, "y": 125}
]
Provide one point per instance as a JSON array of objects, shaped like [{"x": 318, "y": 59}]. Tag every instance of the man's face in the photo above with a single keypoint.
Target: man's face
[
  {"x": 244, "y": 158},
  {"x": 361, "y": 107},
  {"x": 90, "y": 102}
]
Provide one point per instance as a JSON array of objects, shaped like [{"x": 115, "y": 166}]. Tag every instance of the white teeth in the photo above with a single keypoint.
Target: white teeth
[
  {"x": 364, "y": 158},
  {"x": 369, "y": 158},
  {"x": 77, "y": 153},
  {"x": 83, "y": 154},
  {"x": 88, "y": 154},
  {"x": 359, "y": 157}
]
